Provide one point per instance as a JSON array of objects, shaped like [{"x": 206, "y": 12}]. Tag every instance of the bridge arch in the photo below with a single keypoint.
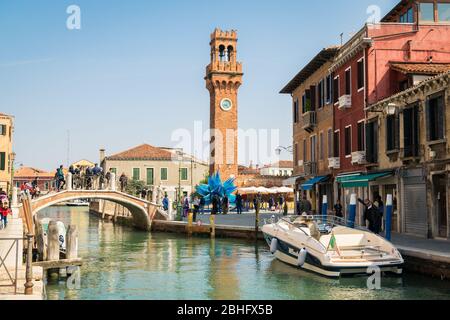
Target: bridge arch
[{"x": 143, "y": 212}]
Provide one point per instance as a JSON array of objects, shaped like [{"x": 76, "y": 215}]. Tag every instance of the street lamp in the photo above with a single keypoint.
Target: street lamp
[
  {"x": 279, "y": 149},
  {"x": 179, "y": 206}
]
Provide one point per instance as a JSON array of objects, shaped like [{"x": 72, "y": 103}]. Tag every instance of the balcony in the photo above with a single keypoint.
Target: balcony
[
  {"x": 309, "y": 121},
  {"x": 310, "y": 168},
  {"x": 359, "y": 157},
  {"x": 345, "y": 102},
  {"x": 334, "y": 163}
]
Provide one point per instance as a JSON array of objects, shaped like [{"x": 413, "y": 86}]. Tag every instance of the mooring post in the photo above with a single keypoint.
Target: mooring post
[
  {"x": 213, "y": 226},
  {"x": 53, "y": 246},
  {"x": 29, "y": 266},
  {"x": 352, "y": 211},
  {"x": 170, "y": 210},
  {"x": 72, "y": 242},
  {"x": 190, "y": 221},
  {"x": 389, "y": 207},
  {"x": 40, "y": 241},
  {"x": 325, "y": 206}
]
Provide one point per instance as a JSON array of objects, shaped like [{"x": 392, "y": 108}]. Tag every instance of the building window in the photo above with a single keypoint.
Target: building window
[
  {"x": 361, "y": 74},
  {"x": 320, "y": 93},
  {"x": 136, "y": 174},
  {"x": 313, "y": 140},
  {"x": 46, "y": 186},
  {"x": 444, "y": 12},
  {"x": 426, "y": 11},
  {"x": 361, "y": 136},
  {"x": 321, "y": 147},
  {"x": 372, "y": 141},
  {"x": 113, "y": 170},
  {"x": 330, "y": 143},
  {"x": 329, "y": 89},
  {"x": 408, "y": 16},
  {"x": 2, "y": 161},
  {"x": 411, "y": 131},
  {"x": 392, "y": 133},
  {"x": 336, "y": 90},
  {"x": 348, "y": 141},
  {"x": 313, "y": 98},
  {"x": 3, "y": 130},
  {"x": 296, "y": 111},
  {"x": 348, "y": 81},
  {"x": 150, "y": 176},
  {"x": 336, "y": 144},
  {"x": 164, "y": 174},
  {"x": 435, "y": 117},
  {"x": 184, "y": 174}
]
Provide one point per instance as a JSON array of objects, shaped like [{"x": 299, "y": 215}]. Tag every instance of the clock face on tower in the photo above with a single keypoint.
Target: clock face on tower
[{"x": 226, "y": 104}]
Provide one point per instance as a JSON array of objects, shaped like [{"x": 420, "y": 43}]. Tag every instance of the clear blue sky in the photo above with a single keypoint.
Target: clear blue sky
[{"x": 134, "y": 72}]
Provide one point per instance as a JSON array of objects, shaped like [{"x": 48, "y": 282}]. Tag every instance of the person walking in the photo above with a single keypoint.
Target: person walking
[
  {"x": 215, "y": 204},
  {"x": 123, "y": 180},
  {"x": 144, "y": 193},
  {"x": 280, "y": 203},
  {"x": 4, "y": 210},
  {"x": 186, "y": 206},
  {"x": 196, "y": 204},
  {"x": 371, "y": 215},
  {"x": 257, "y": 202},
  {"x": 225, "y": 205},
  {"x": 165, "y": 203},
  {"x": 306, "y": 204},
  {"x": 338, "y": 209},
  {"x": 60, "y": 181},
  {"x": 96, "y": 172},
  {"x": 238, "y": 203},
  {"x": 108, "y": 178}
]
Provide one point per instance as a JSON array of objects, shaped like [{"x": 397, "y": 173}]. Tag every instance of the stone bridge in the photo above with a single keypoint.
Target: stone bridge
[{"x": 142, "y": 211}]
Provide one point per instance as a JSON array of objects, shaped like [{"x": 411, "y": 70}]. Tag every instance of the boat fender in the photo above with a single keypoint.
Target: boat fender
[
  {"x": 273, "y": 245},
  {"x": 302, "y": 257}
]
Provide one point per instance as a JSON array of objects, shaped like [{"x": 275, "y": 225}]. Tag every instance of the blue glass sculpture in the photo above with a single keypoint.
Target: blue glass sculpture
[{"x": 215, "y": 186}]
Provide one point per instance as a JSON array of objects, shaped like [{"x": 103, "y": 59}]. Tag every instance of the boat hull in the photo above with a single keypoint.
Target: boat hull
[{"x": 289, "y": 255}]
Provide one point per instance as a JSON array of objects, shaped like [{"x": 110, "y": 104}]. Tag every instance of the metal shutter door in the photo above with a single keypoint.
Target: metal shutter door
[{"x": 415, "y": 209}]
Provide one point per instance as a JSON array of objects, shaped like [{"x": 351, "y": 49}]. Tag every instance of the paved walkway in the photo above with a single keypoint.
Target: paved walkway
[{"x": 404, "y": 242}]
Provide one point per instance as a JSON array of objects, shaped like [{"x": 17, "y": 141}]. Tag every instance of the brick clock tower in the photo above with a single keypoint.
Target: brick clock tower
[{"x": 223, "y": 79}]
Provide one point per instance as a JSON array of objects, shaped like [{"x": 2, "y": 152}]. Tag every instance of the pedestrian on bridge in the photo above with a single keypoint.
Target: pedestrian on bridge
[
  {"x": 123, "y": 182},
  {"x": 96, "y": 172},
  {"x": 60, "y": 180},
  {"x": 165, "y": 203},
  {"x": 4, "y": 210}
]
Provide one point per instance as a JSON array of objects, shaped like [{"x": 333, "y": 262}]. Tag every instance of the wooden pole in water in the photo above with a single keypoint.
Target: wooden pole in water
[
  {"x": 53, "y": 246},
  {"x": 29, "y": 266},
  {"x": 40, "y": 241},
  {"x": 190, "y": 221},
  {"x": 72, "y": 242},
  {"x": 213, "y": 226}
]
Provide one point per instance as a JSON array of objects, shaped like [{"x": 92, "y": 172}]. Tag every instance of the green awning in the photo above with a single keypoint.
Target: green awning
[{"x": 361, "y": 180}]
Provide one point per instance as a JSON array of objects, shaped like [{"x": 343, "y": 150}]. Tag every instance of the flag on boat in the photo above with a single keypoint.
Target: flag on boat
[{"x": 333, "y": 244}]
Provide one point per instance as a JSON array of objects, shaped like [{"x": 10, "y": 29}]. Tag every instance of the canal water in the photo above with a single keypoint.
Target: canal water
[{"x": 122, "y": 263}]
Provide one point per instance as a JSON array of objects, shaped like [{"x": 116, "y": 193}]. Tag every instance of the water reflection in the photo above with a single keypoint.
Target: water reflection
[{"x": 122, "y": 263}]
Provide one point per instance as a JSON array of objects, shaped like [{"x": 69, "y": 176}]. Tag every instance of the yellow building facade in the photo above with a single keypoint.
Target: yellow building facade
[{"x": 6, "y": 154}]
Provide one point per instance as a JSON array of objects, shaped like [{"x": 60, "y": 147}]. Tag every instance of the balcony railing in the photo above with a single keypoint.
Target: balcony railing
[
  {"x": 334, "y": 163},
  {"x": 345, "y": 101},
  {"x": 359, "y": 157},
  {"x": 309, "y": 120},
  {"x": 310, "y": 168}
]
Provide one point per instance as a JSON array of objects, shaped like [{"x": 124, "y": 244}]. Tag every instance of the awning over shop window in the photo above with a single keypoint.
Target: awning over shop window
[
  {"x": 361, "y": 180},
  {"x": 308, "y": 185},
  {"x": 291, "y": 181}
]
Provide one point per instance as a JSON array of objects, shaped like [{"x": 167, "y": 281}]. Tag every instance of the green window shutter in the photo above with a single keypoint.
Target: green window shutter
[
  {"x": 136, "y": 173},
  {"x": 114, "y": 170},
  {"x": 184, "y": 174},
  {"x": 150, "y": 176},
  {"x": 164, "y": 174},
  {"x": 2, "y": 161}
]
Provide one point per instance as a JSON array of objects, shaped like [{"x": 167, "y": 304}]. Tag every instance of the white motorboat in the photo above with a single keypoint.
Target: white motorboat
[
  {"x": 78, "y": 203},
  {"x": 326, "y": 245}
]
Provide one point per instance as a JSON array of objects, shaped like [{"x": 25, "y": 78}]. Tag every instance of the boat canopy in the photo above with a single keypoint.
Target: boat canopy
[
  {"x": 361, "y": 180},
  {"x": 308, "y": 185}
]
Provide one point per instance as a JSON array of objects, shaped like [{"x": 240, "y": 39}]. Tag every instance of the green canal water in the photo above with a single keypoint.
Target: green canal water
[{"x": 122, "y": 263}]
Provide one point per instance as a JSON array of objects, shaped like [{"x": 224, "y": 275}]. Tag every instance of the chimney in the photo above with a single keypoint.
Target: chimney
[{"x": 102, "y": 156}]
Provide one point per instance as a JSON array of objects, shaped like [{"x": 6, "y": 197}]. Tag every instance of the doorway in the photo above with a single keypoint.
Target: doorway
[{"x": 440, "y": 197}]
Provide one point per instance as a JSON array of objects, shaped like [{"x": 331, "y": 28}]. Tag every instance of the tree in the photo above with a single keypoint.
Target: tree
[{"x": 135, "y": 187}]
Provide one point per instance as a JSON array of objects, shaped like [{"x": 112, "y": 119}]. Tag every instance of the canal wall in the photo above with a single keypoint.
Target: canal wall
[{"x": 426, "y": 262}]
